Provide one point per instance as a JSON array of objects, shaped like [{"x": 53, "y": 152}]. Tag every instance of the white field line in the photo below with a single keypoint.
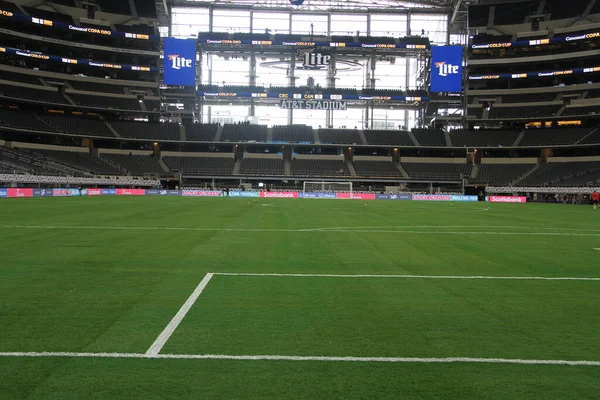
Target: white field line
[
  {"x": 524, "y": 278},
  {"x": 168, "y": 331},
  {"x": 306, "y": 358},
  {"x": 319, "y": 230}
]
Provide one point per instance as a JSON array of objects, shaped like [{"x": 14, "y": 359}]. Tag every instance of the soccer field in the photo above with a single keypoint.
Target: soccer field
[{"x": 226, "y": 298}]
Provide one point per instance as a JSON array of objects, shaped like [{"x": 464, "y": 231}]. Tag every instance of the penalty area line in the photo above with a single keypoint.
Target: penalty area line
[
  {"x": 168, "y": 331},
  {"x": 305, "y": 358},
  {"x": 524, "y": 278}
]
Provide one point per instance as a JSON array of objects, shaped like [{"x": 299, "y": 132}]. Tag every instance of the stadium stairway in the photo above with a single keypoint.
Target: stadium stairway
[
  {"x": 287, "y": 168},
  {"x": 519, "y": 138},
  {"x": 163, "y": 165},
  {"x": 474, "y": 171},
  {"x": 351, "y": 166},
  {"x": 113, "y": 130},
  {"x": 70, "y": 100},
  {"x": 526, "y": 174},
  {"x": 590, "y": 133},
  {"x": 363, "y": 139},
  {"x": 269, "y": 134},
  {"x": 401, "y": 169},
  {"x": 316, "y": 137},
  {"x": 236, "y": 167},
  {"x": 219, "y": 134},
  {"x": 142, "y": 104},
  {"x": 447, "y": 137},
  {"x": 414, "y": 138},
  {"x": 182, "y": 136}
]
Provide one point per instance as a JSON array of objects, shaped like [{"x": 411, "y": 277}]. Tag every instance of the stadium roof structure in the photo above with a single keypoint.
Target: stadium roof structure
[{"x": 325, "y": 5}]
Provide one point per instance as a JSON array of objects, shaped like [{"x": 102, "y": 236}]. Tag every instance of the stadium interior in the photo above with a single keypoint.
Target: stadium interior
[
  {"x": 526, "y": 117},
  {"x": 157, "y": 240}
]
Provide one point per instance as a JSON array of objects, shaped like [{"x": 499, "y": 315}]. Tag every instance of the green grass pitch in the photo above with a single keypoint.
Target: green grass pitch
[{"x": 107, "y": 275}]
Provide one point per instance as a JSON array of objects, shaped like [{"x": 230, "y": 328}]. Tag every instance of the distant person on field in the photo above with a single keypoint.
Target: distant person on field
[{"x": 595, "y": 199}]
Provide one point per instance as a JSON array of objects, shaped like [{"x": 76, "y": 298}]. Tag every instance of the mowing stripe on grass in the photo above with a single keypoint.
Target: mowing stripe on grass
[
  {"x": 524, "y": 278},
  {"x": 563, "y": 232},
  {"x": 306, "y": 358},
  {"x": 168, "y": 331}
]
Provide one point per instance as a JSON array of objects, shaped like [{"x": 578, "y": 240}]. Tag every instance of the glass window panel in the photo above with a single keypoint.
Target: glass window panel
[
  {"x": 275, "y": 22},
  {"x": 187, "y": 22},
  {"x": 388, "y": 118},
  {"x": 431, "y": 25},
  {"x": 271, "y": 115},
  {"x": 231, "y": 21},
  {"x": 348, "y": 119},
  {"x": 229, "y": 71},
  {"x": 348, "y": 24},
  {"x": 389, "y": 25},
  {"x": 269, "y": 76},
  {"x": 301, "y": 24},
  {"x": 390, "y": 73},
  {"x": 350, "y": 78},
  {"x": 228, "y": 114},
  {"x": 314, "y": 118}
]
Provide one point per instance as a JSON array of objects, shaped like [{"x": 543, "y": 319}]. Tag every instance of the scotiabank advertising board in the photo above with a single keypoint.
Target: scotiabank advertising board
[
  {"x": 20, "y": 192},
  {"x": 279, "y": 195},
  {"x": 131, "y": 192},
  {"x": 507, "y": 199},
  {"x": 355, "y": 196}
]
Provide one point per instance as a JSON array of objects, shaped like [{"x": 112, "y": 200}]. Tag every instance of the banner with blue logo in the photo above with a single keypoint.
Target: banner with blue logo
[
  {"x": 400, "y": 196},
  {"x": 446, "y": 69},
  {"x": 318, "y": 195},
  {"x": 3, "y": 192},
  {"x": 180, "y": 62},
  {"x": 235, "y": 193}
]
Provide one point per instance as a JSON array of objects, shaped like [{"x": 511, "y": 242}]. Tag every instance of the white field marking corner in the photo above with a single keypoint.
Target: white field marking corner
[
  {"x": 307, "y": 358},
  {"x": 524, "y": 278},
  {"x": 168, "y": 331}
]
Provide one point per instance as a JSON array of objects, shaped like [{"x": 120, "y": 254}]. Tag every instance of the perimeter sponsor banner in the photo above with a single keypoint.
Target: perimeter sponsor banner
[
  {"x": 507, "y": 199},
  {"x": 94, "y": 192},
  {"x": 200, "y": 193},
  {"x": 442, "y": 197},
  {"x": 20, "y": 192},
  {"x": 279, "y": 195},
  {"x": 180, "y": 62},
  {"x": 131, "y": 192},
  {"x": 64, "y": 192},
  {"x": 108, "y": 192},
  {"x": 157, "y": 192},
  {"x": 3, "y": 192},
  {"x": 43, "y": 193},
  {"x": 317, "y": 195},
  {"x": 446, "y": 69},
  {"x": 244, "y": 194},
  {"x": 402, "y": 196},
  {"x": 313, "y": 105},
  {"x": 355, "y": 196}
]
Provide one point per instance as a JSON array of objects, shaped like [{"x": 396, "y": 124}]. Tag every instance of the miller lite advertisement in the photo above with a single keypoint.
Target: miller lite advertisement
[
  {"x": 180, "y": 62},
  {"x": 446, "y": 69}
]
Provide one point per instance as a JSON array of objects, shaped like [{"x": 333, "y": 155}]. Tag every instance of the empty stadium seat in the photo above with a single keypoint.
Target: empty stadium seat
[
  {"x": 316, "y": 167},
  {"x": 200, "y": 165},
  {"x": 147, "y": 130},
  {"x": 388, "y": 138},
  {"x": 339, "y": 136},
  {"x": 376, "y": 168},
  {"x": 201, "y": 132},
  {"x": 437, "y": 170},
  {"x": 293, "y": 133},
  {"x": 500, "y": 174},
  {"x": 483, "y": 137},
  {"x": 430, "y": 137},
  {"x": 261, "y": 166},
  {"x": 244, "y": 133}
]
